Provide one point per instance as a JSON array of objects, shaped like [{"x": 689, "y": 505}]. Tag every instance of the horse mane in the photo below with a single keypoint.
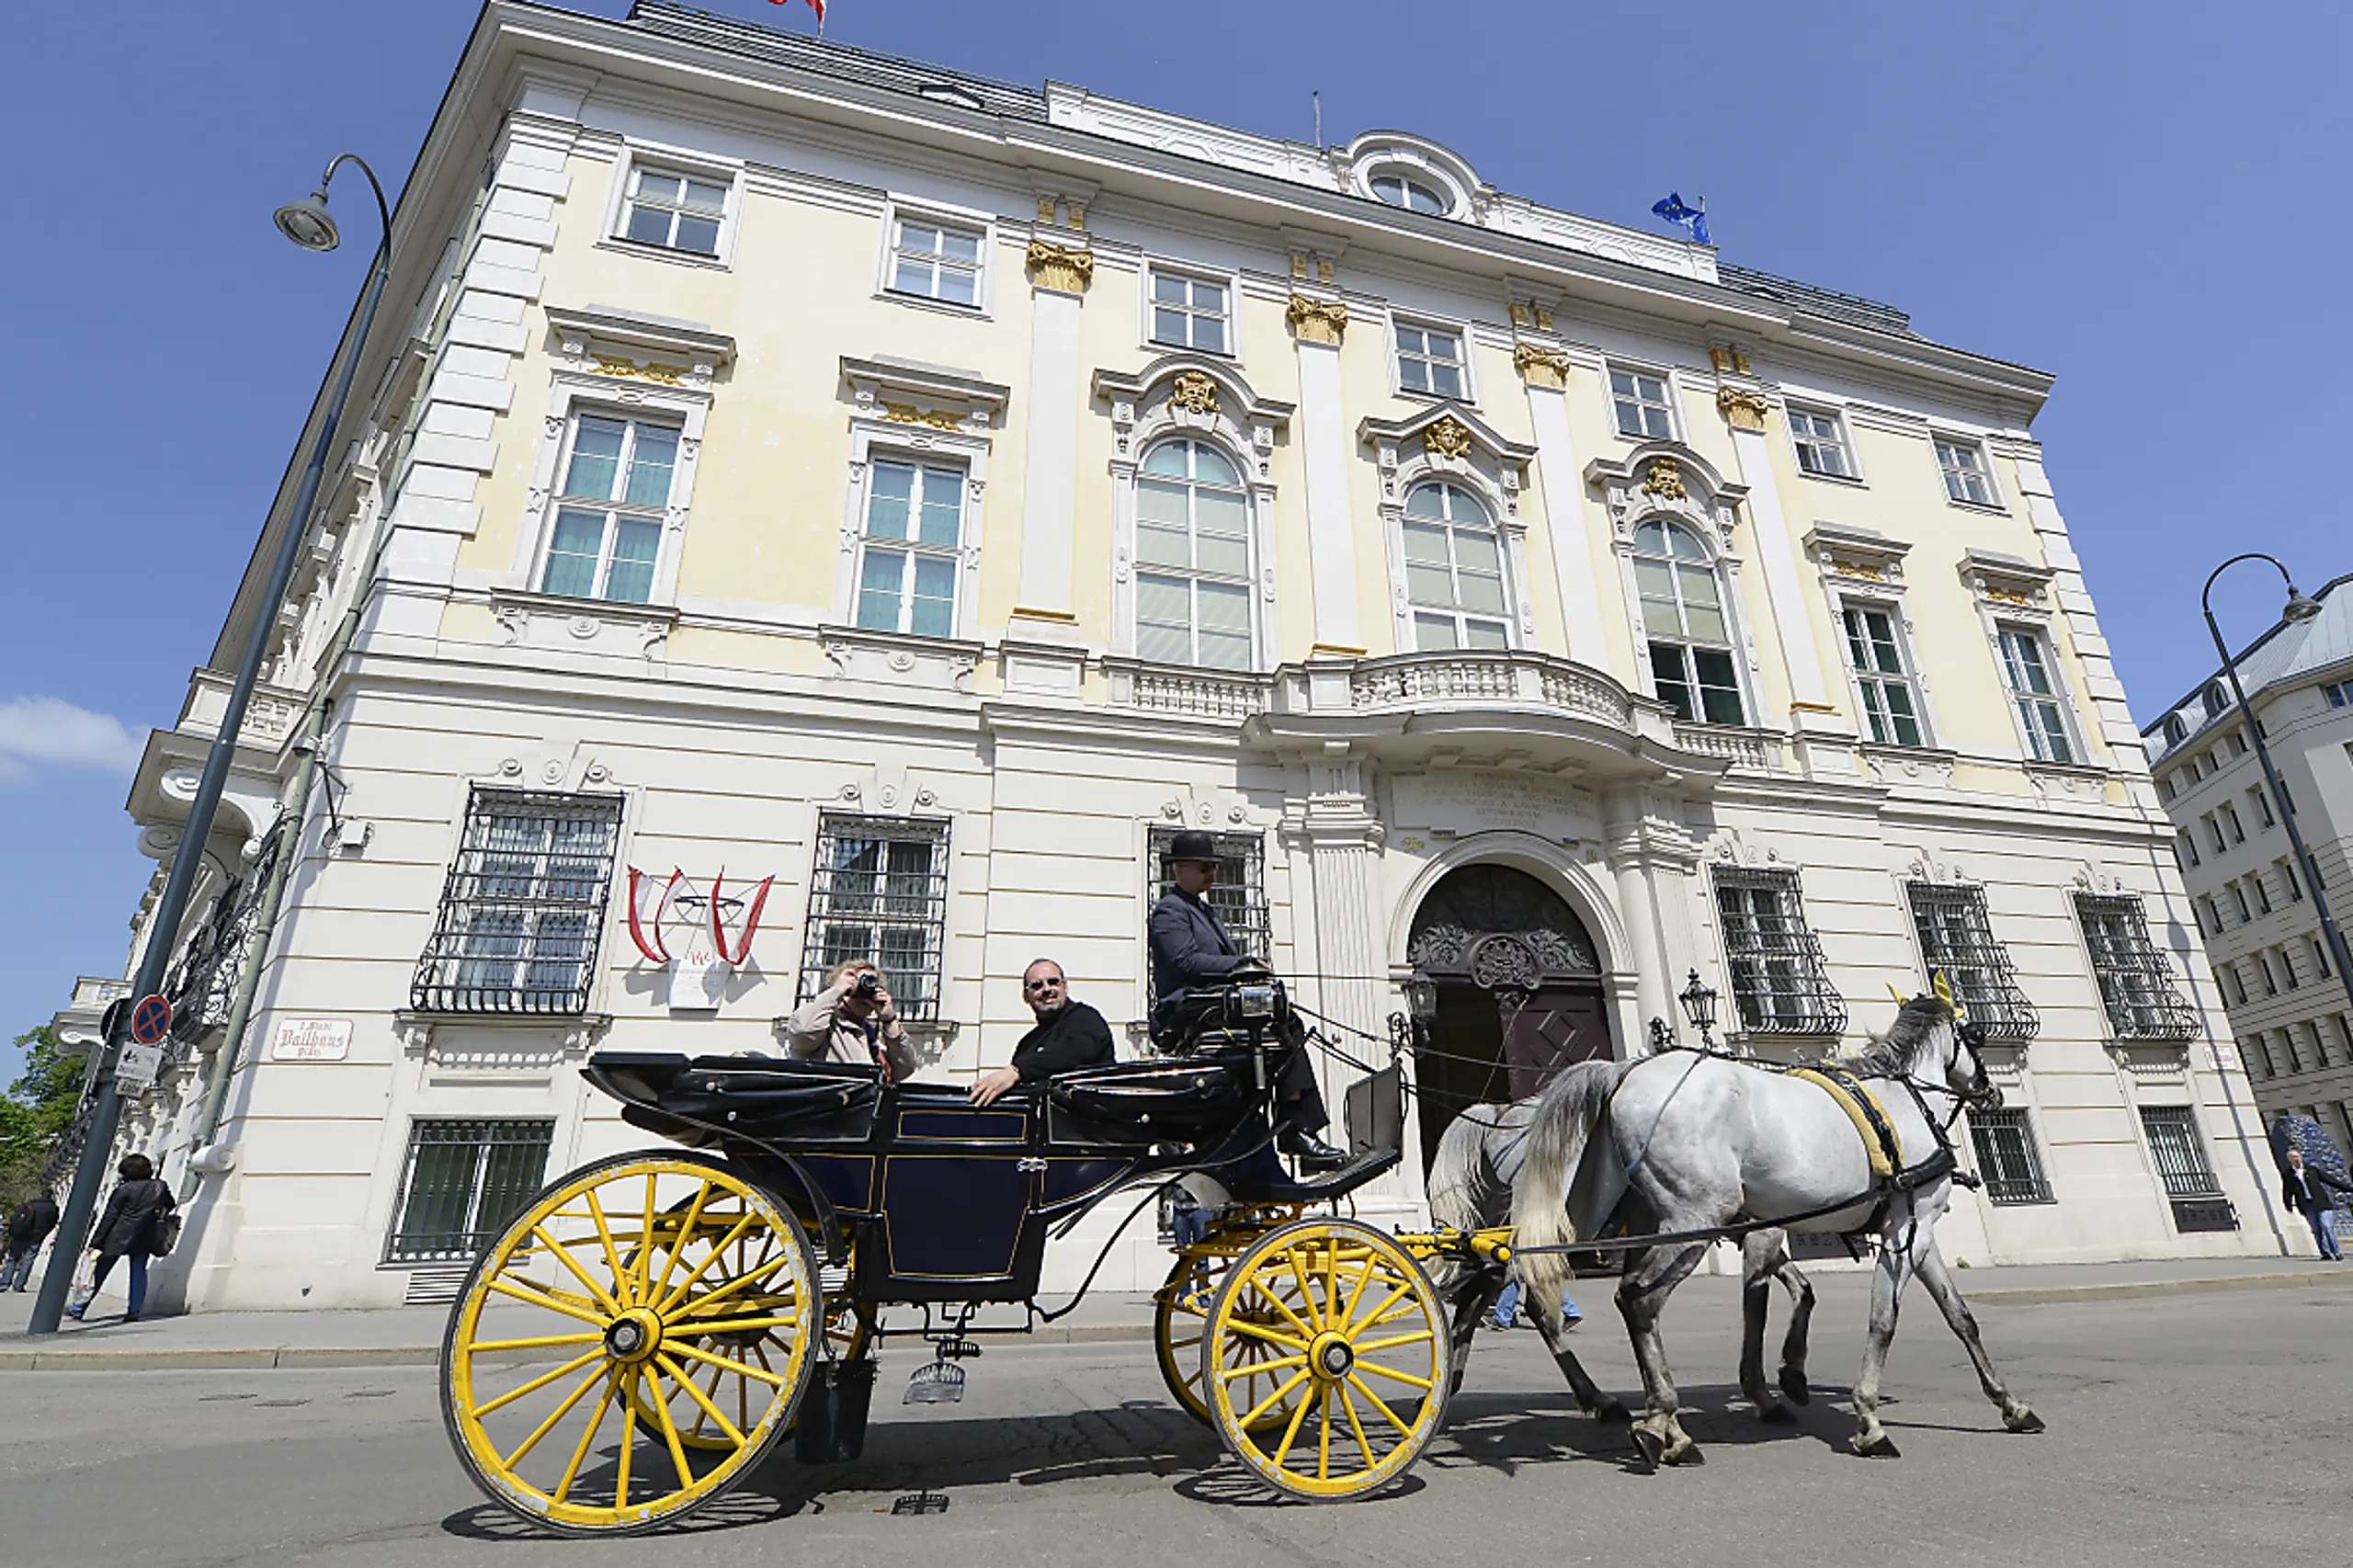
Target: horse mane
[{"x": 1894, "y": 1051}]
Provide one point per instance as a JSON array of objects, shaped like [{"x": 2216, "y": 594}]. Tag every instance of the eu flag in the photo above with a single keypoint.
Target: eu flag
[{"x": 1694, "y": 219}]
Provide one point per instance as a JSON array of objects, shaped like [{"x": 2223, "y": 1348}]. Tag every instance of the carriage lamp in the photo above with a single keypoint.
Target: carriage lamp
[
  {"x": 1421, "y": 999},
  {"x": 1699, "y": 1006}
]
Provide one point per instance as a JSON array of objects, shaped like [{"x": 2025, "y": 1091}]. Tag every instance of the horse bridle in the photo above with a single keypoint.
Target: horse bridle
[{"x": 1983, "y": 1093}]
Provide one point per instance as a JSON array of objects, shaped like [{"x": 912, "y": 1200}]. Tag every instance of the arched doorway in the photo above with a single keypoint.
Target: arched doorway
[{"x": 1519, "y": 992}]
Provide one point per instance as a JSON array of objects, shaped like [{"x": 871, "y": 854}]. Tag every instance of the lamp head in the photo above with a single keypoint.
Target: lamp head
[
  {"x": 1421, "y": 999},
  {"x": 1698, "y": 1004},
  {"x": 2299, "y": 608},
  {"x": 308, "y": 223}
]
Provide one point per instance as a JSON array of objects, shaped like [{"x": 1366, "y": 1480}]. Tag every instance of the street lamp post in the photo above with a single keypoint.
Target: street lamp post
[
  {"x": 308, "y": 224},
  {"x": 2298, "y": 609}
]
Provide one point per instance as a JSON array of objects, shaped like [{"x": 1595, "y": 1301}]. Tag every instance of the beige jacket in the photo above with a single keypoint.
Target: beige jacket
[{"x": 817, "y": 1030}]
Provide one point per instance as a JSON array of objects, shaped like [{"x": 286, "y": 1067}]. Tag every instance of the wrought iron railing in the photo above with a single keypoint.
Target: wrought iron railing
[
  {"x": 880, "y": 894},
  {"x": 1957, "y": 937},
  {"x": 1780, "y": 980},
  {"x": 202, "y": 986},
  {"x": 2136, "y": 982},
  {"x": 523, "y": 908}
]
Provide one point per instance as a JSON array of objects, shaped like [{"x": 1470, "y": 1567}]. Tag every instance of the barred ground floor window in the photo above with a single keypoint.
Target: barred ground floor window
[
  {"x": 1779, "y": 982},
  {"x": 1957, "y": 937},
  {"x": 2007, "y": 1157},
  {"x": 2180, "y": 1156},
  {"x": 879, "y": 895},
  {"x": 2136, "y": 982},
  {"x": 523, "y": 905},
  {"x": 1239, "y": 896},
  {"x": 461, "y": 1183}
]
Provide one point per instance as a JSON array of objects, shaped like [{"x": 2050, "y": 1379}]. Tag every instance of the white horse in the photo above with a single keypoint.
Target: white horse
[
  {"x": 1470, "y": 1182},
  {"x": 1707, "y": 1143}
]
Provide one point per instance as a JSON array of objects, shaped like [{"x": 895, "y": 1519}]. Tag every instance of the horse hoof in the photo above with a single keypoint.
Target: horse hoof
[
  {"x": 2024, "y": 1421},
  {"x": 1879, "y": 1448},
  {"x": 1685, "y": 1451},
  {"x": 1793, "y": 1384},
  {"x": 1652, "y": 1446},
  {"x": 1611, "y": 1413},
  {"x": 1776, "y": 1415}
]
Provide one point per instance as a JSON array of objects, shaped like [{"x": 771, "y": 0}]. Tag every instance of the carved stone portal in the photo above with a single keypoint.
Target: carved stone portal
[{"x": 1497, "y": 927}]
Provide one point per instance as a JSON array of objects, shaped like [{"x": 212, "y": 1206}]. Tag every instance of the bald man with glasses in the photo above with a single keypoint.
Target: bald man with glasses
[{"x": 1069, "y": 1035}]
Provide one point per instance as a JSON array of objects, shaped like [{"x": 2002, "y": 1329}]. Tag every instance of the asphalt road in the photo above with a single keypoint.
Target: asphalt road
[{"x": 2196, "y": 1429}]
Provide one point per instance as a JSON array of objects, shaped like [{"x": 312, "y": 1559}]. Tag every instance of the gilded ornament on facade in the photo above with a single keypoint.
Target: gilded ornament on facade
[
  {"x": 908, "y": 414},
  {"x": 1858, "y": 570},
  {"x": 1317, "y": 321},
  {"x": 1663, "y": 479},
  {"x": 1541, "y": 367},
  {"x": 616, "y": 365},
  {"x": 1449, "y": 438},
  {"x": 1743, "y": 409},
  {"x": 2007, "y": 597},
  {"x": 1062, "y": 270},
  {"x": 1194, "y": 393}
]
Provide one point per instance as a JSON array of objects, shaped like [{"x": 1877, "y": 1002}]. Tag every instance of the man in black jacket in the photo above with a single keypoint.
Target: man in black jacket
[
  {"x": 2314, "y": 1193},
  {"x": 1190, "y": 948},
  {"x": 28, "y": 1228},
  {"x": 1069, "y": 1035}
]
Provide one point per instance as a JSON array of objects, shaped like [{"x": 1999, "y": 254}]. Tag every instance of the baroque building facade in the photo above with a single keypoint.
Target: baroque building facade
[
  {"x": 813, "y": 505},
  {"x": 2248, "y": 898}
]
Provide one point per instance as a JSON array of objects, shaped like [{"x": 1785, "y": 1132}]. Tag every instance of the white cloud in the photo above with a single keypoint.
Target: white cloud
[{"x": 49, "y": 731}]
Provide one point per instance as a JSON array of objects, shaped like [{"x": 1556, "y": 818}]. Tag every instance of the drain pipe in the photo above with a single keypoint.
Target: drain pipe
[{"x": 293, "y": 808}]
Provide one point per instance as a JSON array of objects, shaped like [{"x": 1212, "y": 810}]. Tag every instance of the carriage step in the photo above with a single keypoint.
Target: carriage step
[
  {"x": 920, "y": 1503},
  {"x": 942, "y": 1383}
]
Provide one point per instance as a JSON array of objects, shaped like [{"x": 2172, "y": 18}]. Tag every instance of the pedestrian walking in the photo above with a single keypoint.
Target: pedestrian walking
[
  {"x": 28, "y": 1228},
  {"x": 129, "y": 1228},
  {"x": 2314, "y": 1194},
  {"x": 1505, "y": 1312}
]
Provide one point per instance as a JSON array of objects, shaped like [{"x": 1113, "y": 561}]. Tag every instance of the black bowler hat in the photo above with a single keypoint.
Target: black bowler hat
[{"x": 1193, "y": 845}]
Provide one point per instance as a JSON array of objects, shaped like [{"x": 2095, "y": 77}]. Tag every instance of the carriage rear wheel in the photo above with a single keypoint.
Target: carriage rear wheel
[
  {"x": 1334, "y": 1326},
  {"x": 1180, "y": 1322},
  {"x": 669, "y": 1293}
]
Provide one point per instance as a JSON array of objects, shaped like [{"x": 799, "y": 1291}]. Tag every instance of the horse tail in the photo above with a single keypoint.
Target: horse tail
[{"x": 1568, "y": 1111}]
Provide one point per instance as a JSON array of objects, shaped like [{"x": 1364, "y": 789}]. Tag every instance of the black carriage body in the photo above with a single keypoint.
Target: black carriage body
[{"x": 944, "y": 1200}]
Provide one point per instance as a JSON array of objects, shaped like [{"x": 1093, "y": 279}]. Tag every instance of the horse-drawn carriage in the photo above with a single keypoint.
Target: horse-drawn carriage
[{"x": 654, "y": 1324}]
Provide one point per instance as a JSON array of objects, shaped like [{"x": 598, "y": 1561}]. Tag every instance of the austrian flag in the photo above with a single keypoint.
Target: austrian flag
[{"x": 816, "y": 5}]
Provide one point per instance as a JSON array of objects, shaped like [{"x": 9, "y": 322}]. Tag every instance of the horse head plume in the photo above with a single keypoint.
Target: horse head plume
[{"x": 1942, "y": 984}]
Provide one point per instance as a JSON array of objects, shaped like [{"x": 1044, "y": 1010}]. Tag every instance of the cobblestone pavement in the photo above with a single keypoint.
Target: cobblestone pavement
[{"x": 2196, "y": 1428}]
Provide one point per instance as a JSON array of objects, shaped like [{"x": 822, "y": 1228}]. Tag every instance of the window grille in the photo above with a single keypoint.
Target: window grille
[
  {"x": 463, "y": 1182},
  {"x": 2180, "y": 1156},
  {"x": 202, "y": 986},
  {"x": 1776, "y": 965},
  {"x": 2135, "y": 980},
  {"x": 1239, "y": 896},
  {"x": 523, "y": 906},
  {"x": 1957, "y": 937},
  {"x": 2006, "y": 1156},
  {"x": 880, "y": 894}
]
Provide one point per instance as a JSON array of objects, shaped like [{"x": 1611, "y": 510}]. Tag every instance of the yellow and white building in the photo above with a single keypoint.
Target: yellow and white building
[{"x": 779, "y": 460}]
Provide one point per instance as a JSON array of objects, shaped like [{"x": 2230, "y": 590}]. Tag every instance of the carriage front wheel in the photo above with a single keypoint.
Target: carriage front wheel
[
  {"x": 631, "y": 1346},
  {"x": 1333, "y": 1324}
]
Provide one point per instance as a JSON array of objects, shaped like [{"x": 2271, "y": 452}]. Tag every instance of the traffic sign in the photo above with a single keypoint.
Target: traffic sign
[
  {"x": 135, "y": 1069},
  {"x": 150, "y": 1020}
]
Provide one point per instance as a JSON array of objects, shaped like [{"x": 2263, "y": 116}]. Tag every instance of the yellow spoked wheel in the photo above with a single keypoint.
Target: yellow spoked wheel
[
  {"x": 1181, "y": 1320},
  {"x": 1334, "y": 1325},
  {"x": 672, "y": 1296}
]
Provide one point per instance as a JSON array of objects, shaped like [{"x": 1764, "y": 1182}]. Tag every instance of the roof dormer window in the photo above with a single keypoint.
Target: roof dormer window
[{"x": 1399, "y": 189}]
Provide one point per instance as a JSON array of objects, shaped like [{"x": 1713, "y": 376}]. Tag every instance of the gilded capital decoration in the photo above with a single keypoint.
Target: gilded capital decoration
[
  {"x": 663, "y": 375},
  {"x": 908, "y": 414},
  {"x": 1732, "y": 359},
  {"x": 1742, "y": 409},
  {"x": 1449, "y": 438},
  {"x": 1063, "y": 270},
  {"x": 1663, "y": 479},
  {"x": 1541, "y": 367},
  {"x": 1317, "y": 321},
  {"x": 1194, "y": 391}
]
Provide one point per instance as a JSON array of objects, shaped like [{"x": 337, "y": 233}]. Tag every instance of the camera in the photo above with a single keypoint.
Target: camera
[{"x": 869, "y": 985}]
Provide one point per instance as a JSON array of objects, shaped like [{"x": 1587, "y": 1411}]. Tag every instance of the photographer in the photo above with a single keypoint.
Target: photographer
[{"x": 852, "y": 1020}]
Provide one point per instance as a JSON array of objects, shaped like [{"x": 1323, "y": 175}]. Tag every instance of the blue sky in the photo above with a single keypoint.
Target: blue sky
[{"x": 2147, "y": 200}]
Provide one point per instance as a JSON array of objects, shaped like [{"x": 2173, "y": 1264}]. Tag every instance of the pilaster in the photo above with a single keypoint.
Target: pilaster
[
  {"x": 1318, "y": 326},
  {"x": 1060, "y": 276},
  {"x": 1743, "y": 410},
  {"x": 1547, "y": 373}
]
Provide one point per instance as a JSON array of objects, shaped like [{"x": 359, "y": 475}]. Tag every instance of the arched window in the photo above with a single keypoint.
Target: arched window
[
  {"x": 1400, "y": 191},
  {"x": 1683, "y": 617},
  {"x": 1192, "y": 558},
  {"x": 1454, "y": 570}
]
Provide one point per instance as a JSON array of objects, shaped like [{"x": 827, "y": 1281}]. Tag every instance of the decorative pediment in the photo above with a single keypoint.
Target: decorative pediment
[
  {"x": 2009, "y": 582},
  {"x": 1446, "y": 431},
  {"x": 609, "y": 341},
  {"x": 1857, "y": 555},
  {"x": 1194, "y": 390},
  {"x": 904, "y": 392},
  {"x": 1667, "y": 478}
]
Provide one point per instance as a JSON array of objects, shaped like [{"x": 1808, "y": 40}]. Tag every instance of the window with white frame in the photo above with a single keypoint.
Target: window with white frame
[
  {"x": 911, "y": 557},
  {"x": 522, "y": 909},
  {"x": 1876, "y": 660},
  {"x": 1644, "y": 410},
  {"x": 1190, "y": 313},
  {"x": 1683, "y": 619},
  {"x": 1966, "y": 476},
  {"x": 933, "y": 260},
  {"x": 1429, "y": 359},
  {"x": 609, "y": 509},
  {"x": 677, "y": 211},
  {"x": 1414, "y": 196},
  {"x": 1454, "y": 570},
  {"x": 1192, "y": 558},
  {"x": 879, "y": 894},
  {"x": 1822, "y": 444},
  {"x": 2034, "y": 693}
]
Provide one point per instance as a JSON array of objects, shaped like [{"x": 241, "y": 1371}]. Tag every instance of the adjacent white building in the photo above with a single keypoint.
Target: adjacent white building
[{"x": 890, "y": 503}]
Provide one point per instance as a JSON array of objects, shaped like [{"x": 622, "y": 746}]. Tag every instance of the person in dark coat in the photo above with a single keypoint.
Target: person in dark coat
[
  {"x": 28, "y": 1228},
  {"x": 1069, "y": 1035},
  {"x": 128, "y": 1229},
  {"x": 1191, "y": 948},
  {"x": 2314, "y": 1194}
]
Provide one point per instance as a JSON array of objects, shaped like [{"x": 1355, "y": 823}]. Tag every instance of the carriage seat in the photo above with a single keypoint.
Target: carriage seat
[
  {"x": 697, "y": 1101},
  {"x": 1144, "y": 1103}
]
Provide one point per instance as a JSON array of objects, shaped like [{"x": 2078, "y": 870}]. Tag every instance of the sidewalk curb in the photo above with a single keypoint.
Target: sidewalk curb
[{"x": 293, "y": 1358}]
